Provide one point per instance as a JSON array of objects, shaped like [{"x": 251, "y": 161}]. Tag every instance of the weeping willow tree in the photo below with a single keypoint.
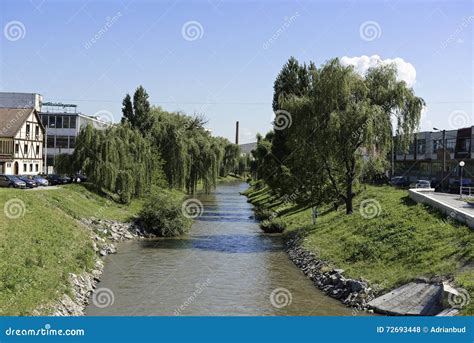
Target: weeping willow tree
[
  {"x": 343, "y": 116},
  {"x": 192, "y": 156},
  {"x": 119, "y": 160}
]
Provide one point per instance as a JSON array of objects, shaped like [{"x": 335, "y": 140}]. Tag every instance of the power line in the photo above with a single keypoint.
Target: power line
[{"x": 226, "y": 103}]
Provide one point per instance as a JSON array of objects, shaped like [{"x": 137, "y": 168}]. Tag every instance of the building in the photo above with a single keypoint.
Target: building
[
  {"x": 21, "y": 141},
  {"x": 21, "y": 100},
  {"x": 63, "y": 123},
  {"x": 435, "y": 156}
]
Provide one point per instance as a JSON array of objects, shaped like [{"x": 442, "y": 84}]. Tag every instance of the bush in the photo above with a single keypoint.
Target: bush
[
  {"x": 162, "y": 215},
  {"x": 273, "y": 226}
]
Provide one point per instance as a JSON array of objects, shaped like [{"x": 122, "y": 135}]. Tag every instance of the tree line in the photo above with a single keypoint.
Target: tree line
[
  {"x": 151, "y": 147},
  {"x": 332, "y": 127}
]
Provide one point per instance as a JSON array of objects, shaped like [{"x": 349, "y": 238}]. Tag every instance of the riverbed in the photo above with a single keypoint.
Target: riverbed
[{"x": 224, "y": 266}]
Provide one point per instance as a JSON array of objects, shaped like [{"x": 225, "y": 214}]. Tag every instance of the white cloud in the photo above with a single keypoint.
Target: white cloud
[{"x": 406, "y": 71}]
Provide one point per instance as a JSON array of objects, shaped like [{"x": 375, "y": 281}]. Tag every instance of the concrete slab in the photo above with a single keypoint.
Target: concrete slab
[
  {"x": 449, "y": 204},
  {"x": 411, "y": 299}
]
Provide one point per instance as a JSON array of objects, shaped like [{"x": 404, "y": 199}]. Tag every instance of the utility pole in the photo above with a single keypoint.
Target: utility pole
[{"x": 444, "y": 152}]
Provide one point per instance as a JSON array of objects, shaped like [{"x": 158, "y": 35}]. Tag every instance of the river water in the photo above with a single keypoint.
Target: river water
[{"x": 224, "y": 266}]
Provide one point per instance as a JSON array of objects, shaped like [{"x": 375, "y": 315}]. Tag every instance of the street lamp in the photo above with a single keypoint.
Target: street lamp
[{"x": 461, "y": 164}]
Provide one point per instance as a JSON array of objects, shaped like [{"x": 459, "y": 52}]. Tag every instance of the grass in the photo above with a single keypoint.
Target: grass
[
  {"x": 403, "y": 241},
  {"x": 40, "y": 247}
]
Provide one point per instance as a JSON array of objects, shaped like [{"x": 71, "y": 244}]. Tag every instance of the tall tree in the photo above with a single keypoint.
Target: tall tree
[{"x": 345, "y": 116}]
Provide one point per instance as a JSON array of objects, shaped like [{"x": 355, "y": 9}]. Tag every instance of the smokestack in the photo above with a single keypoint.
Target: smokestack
[{"x": 237, "y": 132}]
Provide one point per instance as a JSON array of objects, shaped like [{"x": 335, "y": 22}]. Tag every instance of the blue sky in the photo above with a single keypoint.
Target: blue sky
[{"x": 225, "y": 64}]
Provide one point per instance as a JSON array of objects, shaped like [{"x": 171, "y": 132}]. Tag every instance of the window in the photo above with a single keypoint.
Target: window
[
  {"x": 37, "y": 149},
  {"x": 24, "y": 167},
  {"x": 59, "y": 122},
  {"x": 36, "y": 167},
  {"x": 437, "y": 145},
  {"x": 50, "y": 142},
  {"x": 450, "y": 144},
  {"x": 25, "y": 151},
  {"x": 52, "y": 121},
  {"x": 62, "y": 142},
  {"x": 44, "y": 119},
  {"x": 17, "y": 148},
  {"x": 66, "y": 122},
  {"x": 72, "y": 142},
  {"x": 465, "y": 145},
  {"x": 411, "y": 148},
  {"x": 420, "y": 146},
  {"x": 37, "y": 131},
  {"x": 31, "y": 167},
  {"x": 27, "y": 130},
  {"x": 72, "y": 123}
]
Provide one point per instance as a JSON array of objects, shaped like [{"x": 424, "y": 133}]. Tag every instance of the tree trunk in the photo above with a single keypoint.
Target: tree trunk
[{"x": 349, "y": 196}]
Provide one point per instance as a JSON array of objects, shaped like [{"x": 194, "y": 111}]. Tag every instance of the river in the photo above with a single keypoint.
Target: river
[{"x": 224, "y": 266}]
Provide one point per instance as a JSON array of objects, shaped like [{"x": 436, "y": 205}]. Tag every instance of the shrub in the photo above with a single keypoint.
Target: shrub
[
  {"x": 273, "y": 226},
  {"x": 162, "y": 215}
]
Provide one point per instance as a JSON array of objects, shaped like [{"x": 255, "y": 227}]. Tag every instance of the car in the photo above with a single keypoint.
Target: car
[
  {"x": 41, "y": 181},
  {"x": 30, "y": 183},
  {"x": 423, "y": 184},
  {"x": 55, "y": 179},
  {"x": 79, "y": 178},
  {"x": 399, "y": 181},
  {"x": 11, "y": 181}
]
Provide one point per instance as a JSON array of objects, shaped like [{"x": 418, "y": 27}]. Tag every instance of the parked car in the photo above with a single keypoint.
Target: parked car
[
  {"x": 41, "y": 181},
  {"x": 55, "y": 179},
  {"x": 454, "y": 186},
  {"x": 30, "y": 183},
  {"x": 79, "y": 178},
  {"x": 399, "y": 181},
  {"x": 11, "y": 181},
  {"x": 423, "y": 184}
]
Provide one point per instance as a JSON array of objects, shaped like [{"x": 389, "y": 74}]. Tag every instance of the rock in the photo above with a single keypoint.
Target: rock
[{"x": 355, "y": 285}]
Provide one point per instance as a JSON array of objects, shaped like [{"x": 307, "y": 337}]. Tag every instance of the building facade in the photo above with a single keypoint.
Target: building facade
[
  {"x": 21, "y": 141},
  {"x": 435, "y": 156},
  {"x": 63, "y": 124}
]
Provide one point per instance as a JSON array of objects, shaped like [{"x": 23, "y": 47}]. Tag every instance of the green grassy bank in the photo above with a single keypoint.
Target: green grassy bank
[
  {"x": 403, "y": 241},
  {"x": 41, "y": 242}
]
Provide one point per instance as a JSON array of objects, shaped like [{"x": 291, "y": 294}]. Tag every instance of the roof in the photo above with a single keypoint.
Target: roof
[
  {"x": 11, "y": 120},
  {"x": 247, "y": 148}
]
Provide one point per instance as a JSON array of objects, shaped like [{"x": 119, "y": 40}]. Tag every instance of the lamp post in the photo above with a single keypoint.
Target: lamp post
[{"x": 461, "y": 164}]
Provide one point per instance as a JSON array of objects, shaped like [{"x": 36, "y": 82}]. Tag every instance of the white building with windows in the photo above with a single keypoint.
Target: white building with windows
[{"x": 21, "y": 141}]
